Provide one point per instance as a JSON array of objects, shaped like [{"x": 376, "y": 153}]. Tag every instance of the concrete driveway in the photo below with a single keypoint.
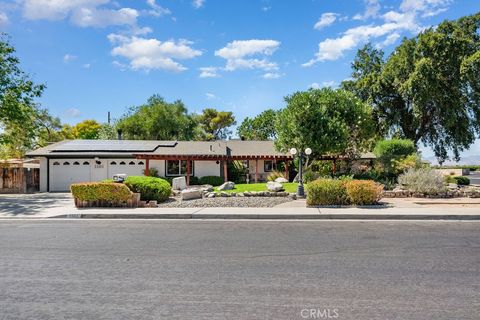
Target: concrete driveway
[{"x": 37, "y": 204}]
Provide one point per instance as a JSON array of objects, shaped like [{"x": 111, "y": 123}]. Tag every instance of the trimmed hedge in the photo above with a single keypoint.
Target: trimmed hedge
[
  {"x": 363, "y": 192},
  {"x": 327, "y": 192},
  {"x": 462, "y": 181},
  {"x": 212, "y": 180},
  {"x": 101, "y": 191},
  {"x": 150, "y": 188},
  {"x": 343, "y": 192}
]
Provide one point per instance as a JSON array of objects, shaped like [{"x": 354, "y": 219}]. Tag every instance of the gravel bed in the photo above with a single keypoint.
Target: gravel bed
[{"x": 245, "y": 202}]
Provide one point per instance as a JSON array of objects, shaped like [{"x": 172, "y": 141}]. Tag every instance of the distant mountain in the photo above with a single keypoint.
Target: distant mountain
[{"x": 468, "y": 160}]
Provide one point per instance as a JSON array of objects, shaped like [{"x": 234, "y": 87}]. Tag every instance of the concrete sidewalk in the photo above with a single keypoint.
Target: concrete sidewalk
[{"x": 396, "y": 209}]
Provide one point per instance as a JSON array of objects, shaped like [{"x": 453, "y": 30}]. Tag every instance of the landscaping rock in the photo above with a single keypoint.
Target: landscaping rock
[
  {"x": 281, "y": 180},
  {"x": 274, "y": 186},
  {"x": 190, "y": 194},
  {"x": 179, "y": 183},
  {"x": 229, "y": 185},
  {"x": 224, "y": 194}
]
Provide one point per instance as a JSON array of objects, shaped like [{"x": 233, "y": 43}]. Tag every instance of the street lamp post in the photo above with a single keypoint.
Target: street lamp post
[{"x": 301, "y": 154}]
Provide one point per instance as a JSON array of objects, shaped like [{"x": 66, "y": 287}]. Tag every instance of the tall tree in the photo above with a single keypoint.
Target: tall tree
[
  {"x": 262, "y": 127},
  {"x": 18, "y": 109},
  {"x": 215, "y": 124},
  {"x": 330, "y": 122},
  {"x": 88, "y": 129},
  {"x": 158, "y": 120},
  {"x": 428, "y": 89}
]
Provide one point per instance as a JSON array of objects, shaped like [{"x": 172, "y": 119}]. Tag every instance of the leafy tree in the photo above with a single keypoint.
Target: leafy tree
[
  {"x": 215, "y": 124},
  {"x": 158, "y": 120},
  {"x": 428, "y": 89},
  {"x": 87, "y": 129},
  {"x": 328, "y": 121},
  {"x": 262, "y": 127},
  {"x": 107, "y": 132},
  {"x": 18, "y": 111},
  {"x": 391, "y": 153}
]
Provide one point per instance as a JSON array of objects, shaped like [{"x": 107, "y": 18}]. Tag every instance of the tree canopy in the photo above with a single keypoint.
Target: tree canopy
[
  {"x": 328, "y": 121},
  {"x": 158, "y": 120},
  {"x": 428, "y": 89},
  {"x": 261, "y": 127},
  {"x": 215, "y": 124}
]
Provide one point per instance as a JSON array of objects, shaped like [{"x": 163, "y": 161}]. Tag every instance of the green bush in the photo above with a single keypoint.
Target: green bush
[
  {"x": 423, "y": 180},
  {"x": 327, "y": 192},
  {"x": 152, "y": 172},
  {"x": 363, "y": 192},
  {"x": 392, "y": 154},
  {"x": 462, "y": 181},
  {"x": 212, "y": 180},
  {"x": 150, "y": 188},
  {"x": 101, "y": 191},
  {"x": 309, "y": 176},
  {"x": 194, "y": 180}
]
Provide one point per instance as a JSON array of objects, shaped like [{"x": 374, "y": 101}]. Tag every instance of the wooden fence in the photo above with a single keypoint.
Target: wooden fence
[{"x": 19, "y": 180}]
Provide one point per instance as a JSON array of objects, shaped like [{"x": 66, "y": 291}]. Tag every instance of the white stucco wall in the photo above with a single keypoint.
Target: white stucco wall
[
  {"x": 206, "y": 168},
  {"x": 43, "y": 174}
]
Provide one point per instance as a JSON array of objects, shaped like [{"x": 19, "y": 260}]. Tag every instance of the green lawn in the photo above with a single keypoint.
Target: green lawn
[{"x": 289, "y": 187}]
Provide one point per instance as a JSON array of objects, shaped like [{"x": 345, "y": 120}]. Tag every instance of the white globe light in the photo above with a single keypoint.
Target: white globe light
[
  {"x": 308, "y": 151},
  {"x": 293, "y": 151}
]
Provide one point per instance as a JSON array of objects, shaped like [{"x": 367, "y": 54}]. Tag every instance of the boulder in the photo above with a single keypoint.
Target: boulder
[
  {"x": 190, "y": 194},
  {"x": 229, "y": 185},
  {"x": 281, "y": 180},
  {"x": 274, "y": 186},
  {"x": 179, "y": 183}
]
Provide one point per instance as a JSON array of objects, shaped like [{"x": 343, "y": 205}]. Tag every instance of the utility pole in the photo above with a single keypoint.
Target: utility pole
[{"x": 109, "y": 117}]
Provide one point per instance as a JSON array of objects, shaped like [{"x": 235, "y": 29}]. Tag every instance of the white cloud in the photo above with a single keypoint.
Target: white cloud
[
  {"x": 372, "y": 8},
  {"x": 3, "y": 19},
  {"x": 266, "y": 8},
  {"x": 150, "y": 54},
  {"x": 72, "y": 113},
  {"x": 394, "y": 23},
  {"x": 272, "y": 75},
  {"x": 56, "y": 9},
  {"x": 210, "y": 96},
  {"x": 197, "y": 4},
  {"x": 157, "y": 10},
  {"x": 69, "y": 57},
  {"x": 315, "y": 85},
  {"x": 240, "y": 54},
  {"x": 330, "y": 84},
  {"x": 87, "y": 65},
  {"x": 209, "y": 72},
  {"x": 91, "y": 17},
  {"x": 325, "y": 20}
]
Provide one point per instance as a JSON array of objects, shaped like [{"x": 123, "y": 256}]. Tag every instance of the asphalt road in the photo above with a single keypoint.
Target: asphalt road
[{"x": 239, "y": 270}]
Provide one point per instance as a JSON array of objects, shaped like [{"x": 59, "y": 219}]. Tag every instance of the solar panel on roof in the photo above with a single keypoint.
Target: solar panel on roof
[{"x": 112, "y": 146}]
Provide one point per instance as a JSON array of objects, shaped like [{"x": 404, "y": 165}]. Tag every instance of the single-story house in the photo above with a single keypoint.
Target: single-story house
[{"x": 72, "y": 161}]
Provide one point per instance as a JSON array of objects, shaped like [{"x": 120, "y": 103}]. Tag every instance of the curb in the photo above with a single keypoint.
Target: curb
[{"x": 273, "y": 216}]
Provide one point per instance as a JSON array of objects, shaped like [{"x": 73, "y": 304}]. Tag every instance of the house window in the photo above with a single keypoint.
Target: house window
[
  {"x": 141, "y": 163},
  {"x": 66, "y": 163},
  {"x": 113, "y": 163},
  {"x": 56, "y": 163},
  {"x": 268, "y": 166},
  {"x": 178, "y": 167},
  {"x": 122, "y": 163},
  {"x": 131, "y": 163},
  {"x": 86, "y": 163},
  {"x": 76, "y": 163}
]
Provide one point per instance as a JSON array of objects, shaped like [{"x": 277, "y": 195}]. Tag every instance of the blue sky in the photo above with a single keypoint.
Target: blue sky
[{"x": 244, "y": 56}]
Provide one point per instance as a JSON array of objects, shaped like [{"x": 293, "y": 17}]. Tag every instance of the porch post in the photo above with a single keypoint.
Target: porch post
[
  {"x": 286, "y": 170},
  {"x": 188, "y": 172},
  {"x": 256, "y": 170},
  {"x": 147, "y": 167},
  {"x": 225, "y": 170},
  {"x": 334, "y": 169}
]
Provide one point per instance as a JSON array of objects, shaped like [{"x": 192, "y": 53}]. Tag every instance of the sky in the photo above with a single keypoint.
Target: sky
[{"x": 243, "y": 56}]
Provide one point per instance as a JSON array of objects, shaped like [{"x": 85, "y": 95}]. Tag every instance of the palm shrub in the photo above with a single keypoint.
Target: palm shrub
[
  {"x": 275, "y": 175},
  {"x": 422, "y": 180},
  {"x": 363, "y": 192},
  {"x": 150, "y": 188}
]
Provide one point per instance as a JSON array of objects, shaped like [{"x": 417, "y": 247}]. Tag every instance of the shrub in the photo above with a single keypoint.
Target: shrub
[
  {"x": 212, "y": 180},
  {"x": 194, "y": 180},
  {"x": 274, "y": 175},
  {"x": 152, "y": 172},
  {"x": 393, "y": 154},
  {"x": 150, "y": 188},
  {"x": 423, "y": 180},
  {"x": 309, "y": 176},
  {"x": 101, "y": 191},
  {"x": 363, "y": 192},
  {"x": 327, "y": 192},
  {"x": 461, "y": 180}
]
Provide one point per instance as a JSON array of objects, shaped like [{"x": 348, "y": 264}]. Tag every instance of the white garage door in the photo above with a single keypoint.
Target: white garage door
[
  {"x": 130, "y": 167},
  {"x": 64, "y": 172}
]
